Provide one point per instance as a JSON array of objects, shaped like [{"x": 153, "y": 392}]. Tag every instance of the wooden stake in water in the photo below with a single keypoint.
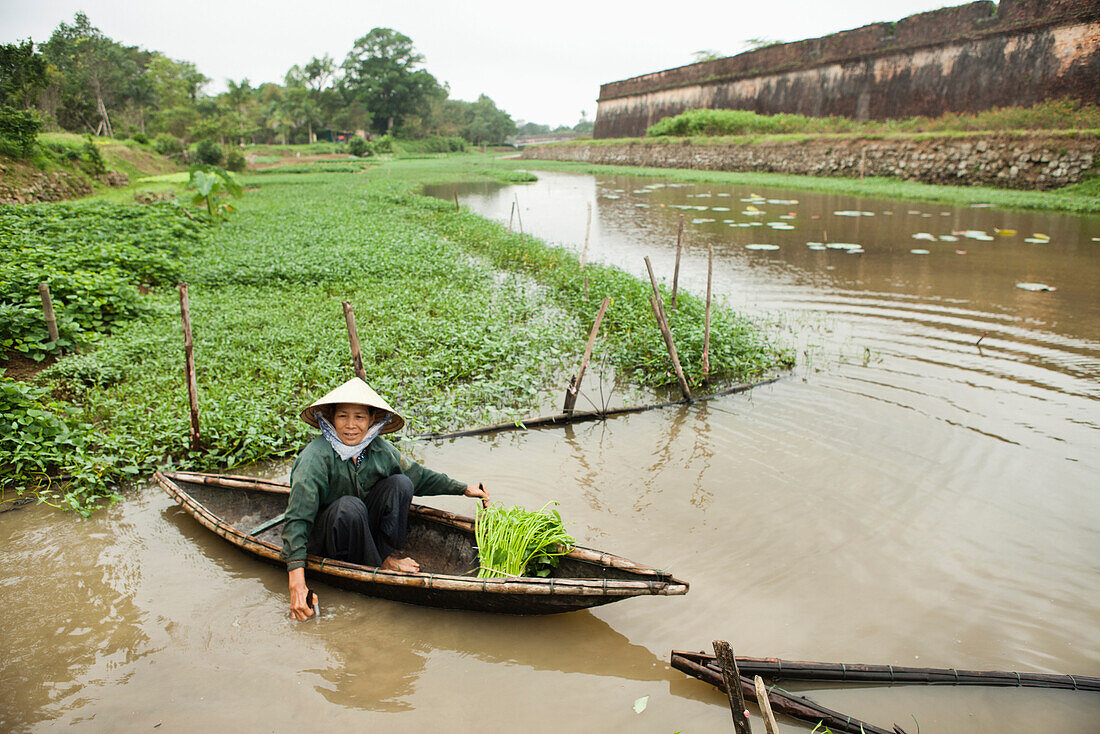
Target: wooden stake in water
[
  {"x": 456, "y": 201},
  {"x": 353, "y": 337},
  {"x": 732, "y": 678},
  {"x": 575, "y": 384},
  {"x": 587, "y": 228},
  {"x": 519, "y": 219},
  {"x": 676, "y": 270},
  {"x": 706, "y": 317},
  {"x": 658, "y": 307},
  {"x": 189, "y": 362},
  {"x": 47, "y": 310},
  {"x": 511, "y": 215},
  {"x": 765, "y": 706}
]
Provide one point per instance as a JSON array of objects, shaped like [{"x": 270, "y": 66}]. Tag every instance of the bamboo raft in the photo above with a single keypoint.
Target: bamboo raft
[
  {"x": 709, "y": 669},
  {"x": 246, "y": 511}
]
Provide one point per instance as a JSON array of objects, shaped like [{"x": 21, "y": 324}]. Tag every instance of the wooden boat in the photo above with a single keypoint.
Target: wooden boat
[{"x": 246, "y": 512}]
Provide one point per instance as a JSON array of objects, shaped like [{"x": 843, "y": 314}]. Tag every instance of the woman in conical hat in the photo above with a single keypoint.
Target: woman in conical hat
[{"x": 350, "y": 493}]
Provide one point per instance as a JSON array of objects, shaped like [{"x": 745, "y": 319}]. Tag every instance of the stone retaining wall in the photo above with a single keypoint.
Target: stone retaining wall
[{"x": 1040, "y": 162}]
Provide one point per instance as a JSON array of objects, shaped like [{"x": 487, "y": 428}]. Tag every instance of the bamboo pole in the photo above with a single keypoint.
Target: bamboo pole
[
  {"x": 47, "y": 310},
  {"x": 189, "y": 362},
  {"x": 706, "y": 318},
  {"x": 511, "y": 215},
  {"x": 803, "y": 670},
  {"x": 519, "y": 220},
  {"x": 798, "y": 707},
  {"x": 662, "y": 323},
  {"x": 575, "y": 383},
  {"x": 456, "y": 200},
  {"x": 353, "y": 337},
  {"x": 676, "y": 269},
  {"x": 765, "y": 706},
  {"x": 549, "y": 421},
  {"x": 732, "y": 678},
  {"x": 587, "y": 228}
]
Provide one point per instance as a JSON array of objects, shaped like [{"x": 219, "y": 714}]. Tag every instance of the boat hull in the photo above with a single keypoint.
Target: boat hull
[{"x": 236, "y": 508}]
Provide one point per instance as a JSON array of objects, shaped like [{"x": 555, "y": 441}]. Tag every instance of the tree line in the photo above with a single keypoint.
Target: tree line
[{"x": 82, "y": 81}]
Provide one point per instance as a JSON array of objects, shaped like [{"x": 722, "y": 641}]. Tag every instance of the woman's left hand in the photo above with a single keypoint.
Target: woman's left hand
[{"x": 478, "y": 491}]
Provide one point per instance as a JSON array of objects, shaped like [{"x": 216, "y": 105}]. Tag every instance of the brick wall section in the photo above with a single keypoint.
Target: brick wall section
[
  {"x": 1038, "y": 162},
  {"x": 965, "y": 58}
]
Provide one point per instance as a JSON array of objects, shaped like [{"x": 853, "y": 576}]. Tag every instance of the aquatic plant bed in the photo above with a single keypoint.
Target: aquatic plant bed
[{"x": 461, "y": 323}]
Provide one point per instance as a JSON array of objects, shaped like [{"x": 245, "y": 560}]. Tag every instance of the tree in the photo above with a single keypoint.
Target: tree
[
  {"x": 95, "y": 72},
  {"x": 22, "y": 74},
  {"x": 381, "y": 73},
  {"x": 487, "y": 123}
]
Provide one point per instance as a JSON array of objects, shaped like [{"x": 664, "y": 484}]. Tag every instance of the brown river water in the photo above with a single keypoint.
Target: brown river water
[{"x": 905, "y": 496}]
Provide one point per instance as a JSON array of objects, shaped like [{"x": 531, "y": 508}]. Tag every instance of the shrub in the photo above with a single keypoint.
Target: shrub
[
  {"x": 235, "y": 161},
  {"x": 140, "y": 137},
  {"x": 92, "y": 159},
  {"x": 359, "y": 147},
  {"x": 19, "y": 130},
  {"x": 384, "y": 144},
  {"x": 167, "y": 144},
  {"x": 210, "y": 153}
]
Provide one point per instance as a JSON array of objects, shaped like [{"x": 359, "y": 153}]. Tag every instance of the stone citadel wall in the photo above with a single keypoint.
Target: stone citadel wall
[{"x": 960, "y": 59}]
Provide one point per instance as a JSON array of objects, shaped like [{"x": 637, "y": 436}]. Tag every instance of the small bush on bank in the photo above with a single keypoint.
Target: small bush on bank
[
  {"x": 167, "y": 145},
  {"x": 359, "y": 147},
  {"x": 235, "y": 161},
  {"x": 18, "y": 131},
  {"x": 210, "y": 153}
]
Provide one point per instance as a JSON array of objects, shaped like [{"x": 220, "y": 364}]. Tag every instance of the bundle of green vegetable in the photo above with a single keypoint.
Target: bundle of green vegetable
[{"x": 518, "y": 542}]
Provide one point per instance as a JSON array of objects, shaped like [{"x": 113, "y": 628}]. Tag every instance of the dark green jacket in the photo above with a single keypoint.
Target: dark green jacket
[{"x": 320, "y": 476}]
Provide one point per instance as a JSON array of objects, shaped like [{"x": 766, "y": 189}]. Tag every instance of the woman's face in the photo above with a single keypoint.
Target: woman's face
[{"x": 351, "y": 422}]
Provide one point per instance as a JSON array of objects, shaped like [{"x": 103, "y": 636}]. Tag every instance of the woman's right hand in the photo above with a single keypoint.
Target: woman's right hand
[{"x": 299, "y": 604}]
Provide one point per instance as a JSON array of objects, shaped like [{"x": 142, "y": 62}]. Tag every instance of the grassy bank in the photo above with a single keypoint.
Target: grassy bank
[
  {"x": 1048, "y": 115},
  {"x": 461, "y": 324},
  {"x": 1082, "y": 198}
]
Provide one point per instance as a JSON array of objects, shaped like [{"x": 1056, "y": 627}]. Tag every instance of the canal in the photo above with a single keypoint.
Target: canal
[{"x": 920, "y": 490}]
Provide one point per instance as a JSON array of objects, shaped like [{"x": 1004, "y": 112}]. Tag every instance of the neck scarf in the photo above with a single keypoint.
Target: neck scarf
[{"x": 343, "y": 450}]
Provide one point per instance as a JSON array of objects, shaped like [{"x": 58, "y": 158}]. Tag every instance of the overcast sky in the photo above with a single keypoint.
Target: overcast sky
[{"x": 541, "y": 62}]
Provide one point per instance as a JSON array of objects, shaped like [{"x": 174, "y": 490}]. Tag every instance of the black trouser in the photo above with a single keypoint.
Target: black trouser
[{"x": 366, "y": 533}]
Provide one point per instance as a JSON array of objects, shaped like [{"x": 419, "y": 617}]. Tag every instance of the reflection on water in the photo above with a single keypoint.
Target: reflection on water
[{"x": 905, "y": 497}]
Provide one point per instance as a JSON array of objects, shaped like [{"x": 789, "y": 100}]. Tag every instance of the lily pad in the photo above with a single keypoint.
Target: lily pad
[
  {"x": 925, "y": 236},
  {"x": 1035, "y": 287},
  {"x": 761, "y": 247},
  {"x": 640, "y": 704},
  {"x": 919, "y": 251},
  {"x": 1005, "y": 232}
]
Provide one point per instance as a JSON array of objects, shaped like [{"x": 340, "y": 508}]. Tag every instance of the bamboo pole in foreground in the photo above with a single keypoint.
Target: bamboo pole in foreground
[
  {"x": 706, "y": 319},
  {"x": 676, "y": 269},
  {"x": 47, "y": 310},
  {"x": 662, "y": 323},
  {"x": 732, "y": 678},
  {"x": 353, "y": 337},
  {"x": 189, "y": 363},
  {"x": 575, "y": 384},
  {"x": 765, "y": 706}
]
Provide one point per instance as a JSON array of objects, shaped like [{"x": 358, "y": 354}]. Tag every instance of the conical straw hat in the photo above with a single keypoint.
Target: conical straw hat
[{"x": 359, "y": 392}]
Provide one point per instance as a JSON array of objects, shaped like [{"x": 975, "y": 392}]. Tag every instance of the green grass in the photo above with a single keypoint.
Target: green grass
[
  {"x": 461, "y": 323},
  {"x": 1056, "y": 114},
  {"x": 1082, "y": 198}
]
